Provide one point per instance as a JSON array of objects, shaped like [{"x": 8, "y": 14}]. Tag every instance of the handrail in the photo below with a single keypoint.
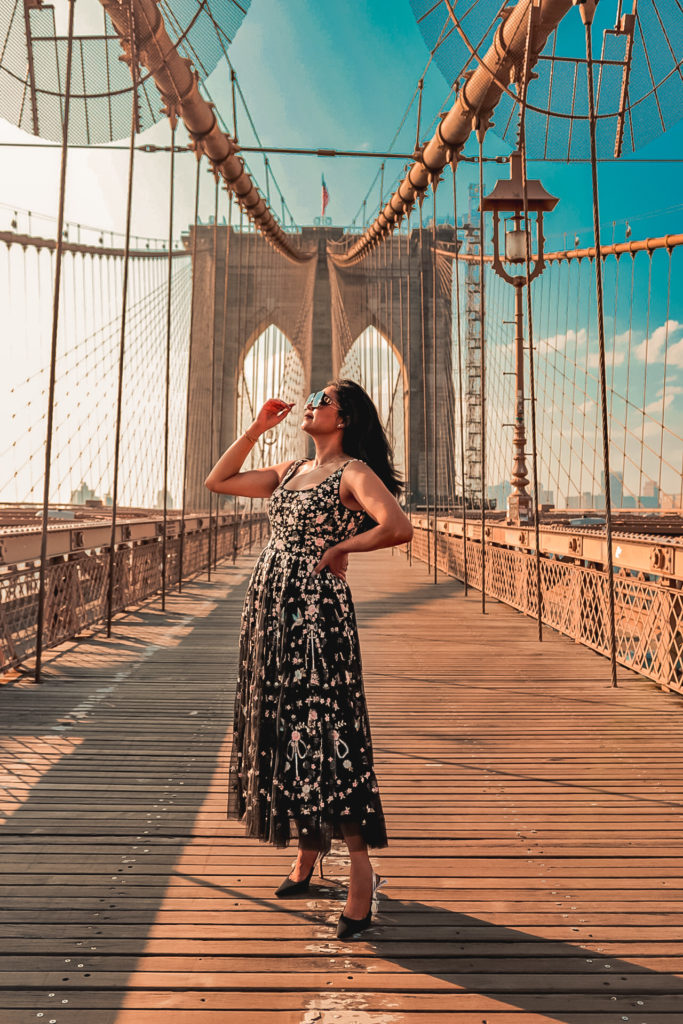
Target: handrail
[
  {"x": 617, "y": 249},
  {"x": 38, "y": 242}
]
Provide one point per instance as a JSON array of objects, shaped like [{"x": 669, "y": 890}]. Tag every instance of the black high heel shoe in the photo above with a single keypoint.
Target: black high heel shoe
[
  {"x": 348, "y": 926},
  {"x": 288, "y": 887}
]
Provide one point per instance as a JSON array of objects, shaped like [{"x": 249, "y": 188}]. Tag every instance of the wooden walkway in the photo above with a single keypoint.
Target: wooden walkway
[{"x": 535, "y": 866}]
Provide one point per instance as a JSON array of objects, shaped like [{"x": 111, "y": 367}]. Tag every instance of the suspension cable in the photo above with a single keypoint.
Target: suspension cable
[
  {"x": 167, "y": 388},
  {"x": 409, "y": 347},
  {"x": 424, "y": 376},
  {"x": 454, "y": 165},
  {"x": 481, "y": 132},
  {"x": 434, "y": 371},
  {"x": 212, "y": 372},
  {"x": 181, "y": 552},
  {"x": 587, "y": 8},
  {"x": 226, "y": 277},
  {"x": 530, "y": 322},
  {"x": 124, "y": 303},
  {"x": 53, "y": 347}
]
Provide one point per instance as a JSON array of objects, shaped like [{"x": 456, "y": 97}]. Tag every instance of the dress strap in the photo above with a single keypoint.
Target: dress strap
[
  {"x": 345, "y": 464},
  {"x": 291, "y": 471}
]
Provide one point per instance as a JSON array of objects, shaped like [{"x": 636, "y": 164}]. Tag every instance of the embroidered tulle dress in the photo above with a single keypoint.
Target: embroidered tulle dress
[{"x": 302, "y": 758}]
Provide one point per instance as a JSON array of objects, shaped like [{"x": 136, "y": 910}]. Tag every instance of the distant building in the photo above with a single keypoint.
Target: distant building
[
  {"x": 499, "y": 493},
  {"x": 82, "y": 495},
  {"x": 616, "y": 481},
  {"x": 160, "y": 499}
]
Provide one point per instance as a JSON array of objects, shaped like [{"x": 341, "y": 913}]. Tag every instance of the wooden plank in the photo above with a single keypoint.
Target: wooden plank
[{"x": 535, "y": 863}]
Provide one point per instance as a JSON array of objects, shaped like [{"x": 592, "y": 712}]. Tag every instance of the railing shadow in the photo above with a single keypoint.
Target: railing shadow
[{"x": 106, "y": 769}]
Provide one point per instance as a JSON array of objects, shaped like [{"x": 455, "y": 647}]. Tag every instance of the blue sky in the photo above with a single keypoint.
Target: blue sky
[
  {"x": 338, "y": 76},
  {"x": 341, "y": 76}
]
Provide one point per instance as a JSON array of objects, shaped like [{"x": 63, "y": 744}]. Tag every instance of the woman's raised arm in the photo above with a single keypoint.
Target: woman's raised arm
[{"x": 225, "y": 477}]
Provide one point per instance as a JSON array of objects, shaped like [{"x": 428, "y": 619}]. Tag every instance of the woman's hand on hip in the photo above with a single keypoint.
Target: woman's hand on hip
[{"x": 334, "y": 560}]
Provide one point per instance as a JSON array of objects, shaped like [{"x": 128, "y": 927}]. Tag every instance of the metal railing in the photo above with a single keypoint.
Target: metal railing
[
  {"x": 648, "y": 606},
  {"x": 76, "y": 581}
]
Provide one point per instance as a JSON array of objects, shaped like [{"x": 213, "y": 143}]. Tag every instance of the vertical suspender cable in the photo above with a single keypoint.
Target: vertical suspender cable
[
  {"x": 664, "y": 369},
  {"x": 403, "y": 355},
  {"x": 424, "y": 379},
  {"x": 409, "y": 346},
  {"x": 587, "y": 9},
  {"x": 460, "y": 396},
  {"x": 434, "y": 370},
  {"x": 254, "y": 267},
  {"x": 53, "y": 346},
  {"x": 124, "y": 303},
  {"x": 212, "y": 382},
  {"x": 391, "y": 420},
  {"x": 233, "y": 78},
  {"x": 420, "y": 87},
  {"x": 482, "y": 406},
  {"x": 167, "y": 388},
  {"x": 221, "y": 427},
  {"x": 237, "y": 508},
  {"x": 181, "y": 553},
  {"x": 235, "y": 512},
  {"x": 530, "y": 324}
]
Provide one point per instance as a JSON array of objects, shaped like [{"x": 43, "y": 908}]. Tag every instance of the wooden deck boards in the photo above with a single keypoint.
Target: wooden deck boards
[{"x": 535, "y": 870}]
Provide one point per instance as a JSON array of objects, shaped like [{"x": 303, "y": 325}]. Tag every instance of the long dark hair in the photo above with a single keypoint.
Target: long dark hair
[{"x": 364, "y": 435}]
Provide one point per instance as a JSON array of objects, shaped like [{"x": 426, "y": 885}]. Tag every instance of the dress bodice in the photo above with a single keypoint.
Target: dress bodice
[{"x": 312, "y": 519}]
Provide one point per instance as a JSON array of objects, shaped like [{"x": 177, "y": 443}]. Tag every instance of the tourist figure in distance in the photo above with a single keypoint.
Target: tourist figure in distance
[{"x": 302, "y": 760}]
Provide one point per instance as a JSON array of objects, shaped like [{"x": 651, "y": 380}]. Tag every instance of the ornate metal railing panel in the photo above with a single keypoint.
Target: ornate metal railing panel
[
  {"x": 649, "y": 606},
  {"x": 76, "y": 591}
]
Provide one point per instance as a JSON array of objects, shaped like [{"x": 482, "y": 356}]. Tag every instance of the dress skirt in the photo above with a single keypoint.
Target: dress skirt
[{"x": 302, "y": 759}]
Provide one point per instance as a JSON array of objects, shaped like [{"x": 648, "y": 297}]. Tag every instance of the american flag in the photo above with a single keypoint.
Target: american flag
[{"x": 326, "y": 197}]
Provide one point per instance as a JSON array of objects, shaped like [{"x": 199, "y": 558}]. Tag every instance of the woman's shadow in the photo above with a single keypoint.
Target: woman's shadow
[
  {"x": 451, "y": 961},
  {"x": 515, "y": 969}
]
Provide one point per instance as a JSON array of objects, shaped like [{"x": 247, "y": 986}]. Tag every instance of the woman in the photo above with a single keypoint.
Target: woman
[{"x": 302, "y": 751}]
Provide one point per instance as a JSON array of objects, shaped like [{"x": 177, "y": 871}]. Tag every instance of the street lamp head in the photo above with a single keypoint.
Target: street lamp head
[
  {"x": 508, "y": 197},
  {"x": 508, "y": 194}
]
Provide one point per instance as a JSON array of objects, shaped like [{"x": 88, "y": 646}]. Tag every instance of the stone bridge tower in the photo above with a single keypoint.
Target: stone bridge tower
[{"x": 322, "y": 308}]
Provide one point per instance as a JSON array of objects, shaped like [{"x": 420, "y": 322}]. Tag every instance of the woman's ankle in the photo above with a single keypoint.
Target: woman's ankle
[{"x": 307, "y": 855}]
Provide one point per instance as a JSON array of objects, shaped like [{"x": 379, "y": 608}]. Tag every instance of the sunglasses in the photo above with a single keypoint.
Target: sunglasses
[{"x": 317, "y": 398}]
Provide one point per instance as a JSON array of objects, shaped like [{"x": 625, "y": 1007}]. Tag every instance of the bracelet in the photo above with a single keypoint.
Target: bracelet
[{"x": 252, "y": 439}]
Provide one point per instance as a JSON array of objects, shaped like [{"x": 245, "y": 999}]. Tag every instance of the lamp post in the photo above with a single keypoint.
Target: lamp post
[{"x": 507, "y": 197}]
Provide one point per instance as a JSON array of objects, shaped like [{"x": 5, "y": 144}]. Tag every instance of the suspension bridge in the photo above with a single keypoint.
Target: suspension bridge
[{"x": 523, "y": 653}]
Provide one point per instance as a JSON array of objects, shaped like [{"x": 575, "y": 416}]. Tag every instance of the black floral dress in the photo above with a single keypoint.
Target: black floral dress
[{"x": 302, "y": 751}]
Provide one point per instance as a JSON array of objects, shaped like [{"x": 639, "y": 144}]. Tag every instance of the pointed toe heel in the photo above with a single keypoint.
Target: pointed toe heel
[
  {"x": 288, "y": 887},
  {"x": 348, "y": 926}
]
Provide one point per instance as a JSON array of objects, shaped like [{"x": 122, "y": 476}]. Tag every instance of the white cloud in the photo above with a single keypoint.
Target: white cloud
[
  {"x": 611, "y": 359},
  {"x": 557, "y": 342},
  {"x": 652, "y": 348},
  {"x": 675, "y": 356},
  {"x": 655, "y": 408}
]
